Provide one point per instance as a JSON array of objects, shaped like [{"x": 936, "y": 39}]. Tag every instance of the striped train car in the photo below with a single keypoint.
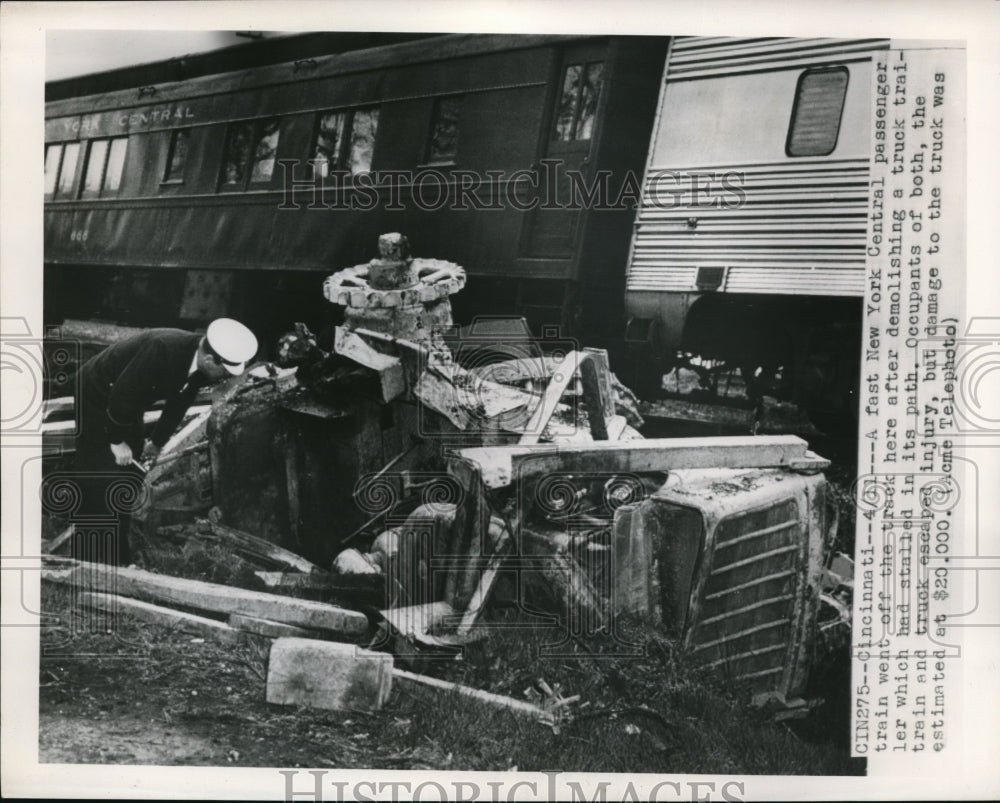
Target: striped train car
[{"x": 749, "y": 246}]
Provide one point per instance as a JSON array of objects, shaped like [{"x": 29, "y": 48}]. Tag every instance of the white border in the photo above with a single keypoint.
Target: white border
[{"x": 970, "y": 773}]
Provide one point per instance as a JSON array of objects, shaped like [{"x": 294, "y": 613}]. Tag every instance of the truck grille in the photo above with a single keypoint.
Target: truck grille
[{"x": 747, "y": 620}]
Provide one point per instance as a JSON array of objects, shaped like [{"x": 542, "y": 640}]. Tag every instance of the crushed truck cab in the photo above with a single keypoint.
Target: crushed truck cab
[{"x": 721, "y": 542}]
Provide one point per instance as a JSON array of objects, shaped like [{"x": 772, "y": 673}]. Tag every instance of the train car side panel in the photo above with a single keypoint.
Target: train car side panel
[{"x": 755, "y": 195}]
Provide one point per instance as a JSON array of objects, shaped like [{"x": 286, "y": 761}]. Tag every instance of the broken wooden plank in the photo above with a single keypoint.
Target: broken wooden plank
[
  {"x": 59, "y": 562},
  {"x": 220, "y": 598},
  {"x": 354, "y": 589},
  {"x": 322, "y": 581},
  {"x": 261, "y": 548},
  {"x": 269, "y": 627},
  {"x": 58, "y": 574},
  {"x": 596, "y": 392},
  {"x": 599, "y": 361},
  {"x": 560, "y": 381},
  {"x": 425, "y": 686},
  {"x": 292, "y": 581},
  {"x": 157, "y": 614},
  {"x": 328, "y": 674},
  {"x": 502, "y": 465}
]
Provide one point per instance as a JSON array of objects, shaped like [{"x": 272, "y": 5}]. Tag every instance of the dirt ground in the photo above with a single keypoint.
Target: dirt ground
[{"x": 149, "y": 694}]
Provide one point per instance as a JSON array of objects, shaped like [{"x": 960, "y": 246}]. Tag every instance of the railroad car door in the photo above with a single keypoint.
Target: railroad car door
[{"x": 553, "y": 227}]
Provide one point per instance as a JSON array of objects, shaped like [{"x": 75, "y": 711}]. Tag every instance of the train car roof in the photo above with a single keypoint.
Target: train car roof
[
  {"x": 241, "y": 56},
  {"x": 271, "y": 62}
]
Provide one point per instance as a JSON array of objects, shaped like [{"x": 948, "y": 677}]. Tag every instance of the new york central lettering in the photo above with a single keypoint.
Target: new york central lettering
[{"x": 167, "y": 114}]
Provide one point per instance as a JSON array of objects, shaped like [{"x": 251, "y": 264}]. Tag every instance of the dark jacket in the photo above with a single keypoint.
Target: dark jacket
[{"x": 118, "y": 385}]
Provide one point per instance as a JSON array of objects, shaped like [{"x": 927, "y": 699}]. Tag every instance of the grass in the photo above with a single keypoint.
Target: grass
[{"x": 652, "y": 713}]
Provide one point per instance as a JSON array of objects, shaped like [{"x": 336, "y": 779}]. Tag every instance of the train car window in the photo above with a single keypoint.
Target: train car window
[
  {"x": 345, "y": 140},
  {"x": 363, "y": 129},
  {"x": 329, "y": 142},
  {"x": 97, "y": 157},
  {"x": 249, "y": 153},
  {"x": 53, "y": 156},
  {"x": 443, "y": 144},
  {"x": 67, "y": 169},
  {"x": 265, "y": 148},
  {"x": 177, "y": 156},
  {"x": 817, "y": 111},
  {"x": 103, "y": 173},
  {"x": 116, "y": 165},
  {"x": 236, "y": 155},
  {"x": 577, "y": 103}
]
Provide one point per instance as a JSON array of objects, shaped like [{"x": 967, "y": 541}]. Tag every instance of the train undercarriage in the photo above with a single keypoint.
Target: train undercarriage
[{"x": 802, "y": 350}]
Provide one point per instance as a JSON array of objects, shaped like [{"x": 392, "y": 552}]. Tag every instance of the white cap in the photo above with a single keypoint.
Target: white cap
[{"x": 232, "y": 342}]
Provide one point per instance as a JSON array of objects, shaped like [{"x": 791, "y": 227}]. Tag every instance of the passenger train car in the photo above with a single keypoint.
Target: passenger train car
[{"x": 235, "y": 182}]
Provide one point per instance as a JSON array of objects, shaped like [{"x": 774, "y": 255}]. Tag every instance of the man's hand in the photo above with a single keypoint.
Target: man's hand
[
  {"x": 150, "y": 451},
  {"x": 122, "y": 452}
]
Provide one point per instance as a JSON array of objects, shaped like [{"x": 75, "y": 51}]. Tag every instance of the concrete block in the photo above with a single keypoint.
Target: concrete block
[{"x": 327, "y": 674}]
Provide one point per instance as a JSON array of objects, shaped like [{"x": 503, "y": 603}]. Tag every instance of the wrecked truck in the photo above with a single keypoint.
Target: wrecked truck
[
  {"x": 730, "y": 560},
  {"x": 387, "y": 456}
]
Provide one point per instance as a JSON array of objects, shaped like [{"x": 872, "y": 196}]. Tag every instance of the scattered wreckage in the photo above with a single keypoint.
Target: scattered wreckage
[{"x": 427, "y": 468}]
